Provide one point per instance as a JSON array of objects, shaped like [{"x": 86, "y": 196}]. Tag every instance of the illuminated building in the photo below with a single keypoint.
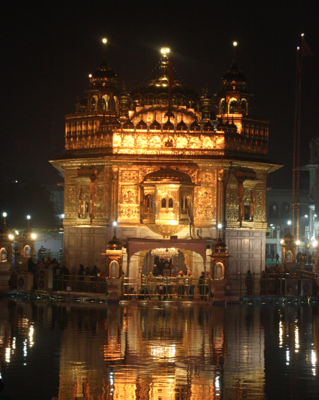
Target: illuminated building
[{"x": 160, "y": 162}]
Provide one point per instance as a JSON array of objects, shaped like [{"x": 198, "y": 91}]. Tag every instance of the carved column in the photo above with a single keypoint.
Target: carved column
[
  {"x": 240, "y": 199},
  {"x": 220, "y": 199},
  {"x": 115, "y": 184}
]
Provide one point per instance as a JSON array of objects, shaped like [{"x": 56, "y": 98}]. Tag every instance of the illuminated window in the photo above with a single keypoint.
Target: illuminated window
[
  {"x": 3, "y": 254},
  {"x": 273, "y": 210},
  {"x": 233, "y": 107},
  {"x": 247, "y": 213}
]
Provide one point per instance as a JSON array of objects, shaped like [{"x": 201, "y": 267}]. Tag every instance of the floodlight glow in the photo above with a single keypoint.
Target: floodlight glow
[
  {"x": 33, "y": 236},
  {"x": 289, "y": 222},
  {"x": 104, "y": 40},
  {"x": 306, "y": 216},
  {"x": 11, "y": 237},
  {"x": 4, "y": 214},
  {"x": 282, "y": 241},
  {"x": 297, "y": 242},
  {"x": 235, "y": 44},
  {"x": 114, "y": 223},
  {"x": 28, "y": 217},
  {"x": 219, "y": 226},
  {"x": 62, "y": 216},
  {"x": 16, "y": 232},
  {"x": 165, "y": 50},
  {"x": 90, "y": 75},
  {"x": 314, "y": 243},
  {"x": 315, "y": 215},
  {"x": 302, "y": 35}
]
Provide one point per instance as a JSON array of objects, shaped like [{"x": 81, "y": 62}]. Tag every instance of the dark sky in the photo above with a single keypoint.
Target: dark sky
[{"x": 49, "y": 47}]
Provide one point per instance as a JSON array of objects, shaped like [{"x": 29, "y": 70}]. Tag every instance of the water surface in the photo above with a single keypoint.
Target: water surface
[{"x": 159, "y": 351}]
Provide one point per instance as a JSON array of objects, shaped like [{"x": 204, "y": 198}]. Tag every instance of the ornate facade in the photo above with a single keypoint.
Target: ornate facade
[{"x": 160, "y": 162}]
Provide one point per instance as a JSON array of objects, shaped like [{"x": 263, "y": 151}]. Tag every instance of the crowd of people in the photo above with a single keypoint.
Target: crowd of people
[{"x": 270, "y": 280}]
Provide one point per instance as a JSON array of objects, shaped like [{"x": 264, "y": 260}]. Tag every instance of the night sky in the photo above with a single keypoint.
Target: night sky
[{"x": 50, "y": 47}]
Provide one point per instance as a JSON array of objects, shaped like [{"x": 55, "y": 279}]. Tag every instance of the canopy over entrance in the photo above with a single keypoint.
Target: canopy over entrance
[{"x": 197, "y": 245}]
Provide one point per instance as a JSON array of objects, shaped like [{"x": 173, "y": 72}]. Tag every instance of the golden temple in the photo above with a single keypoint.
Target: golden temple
[{"x": 160, "y": 162}]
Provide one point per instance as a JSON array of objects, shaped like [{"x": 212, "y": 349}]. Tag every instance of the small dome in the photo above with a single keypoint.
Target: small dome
[
  {"x": 194, "y": 126},
  {"x": 128, "y": 125},
  {"x": 181, "y": 126},
  {"x": 104, "y": 71},
  {"x": 114, "y": 244},
  {"x": 168, "y": 126},
  {"x": 208, "y": 127},
  {"x": 219, "y": 246},
  {"x": 4, "y": 232},
  {"x": 155, "y": 125},
  {"x": 289, "y": 239},
  {"x": 234, "y": 77},
  {"x": 168, "y": 175},
  {"x": 141, "y": 124}
]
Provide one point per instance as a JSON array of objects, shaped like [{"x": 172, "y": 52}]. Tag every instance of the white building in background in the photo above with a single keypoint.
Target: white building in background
[{"x": 279, "y": 214}]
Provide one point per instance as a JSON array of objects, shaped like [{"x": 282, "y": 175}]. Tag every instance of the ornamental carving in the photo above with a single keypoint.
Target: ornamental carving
[
  {"x": 70, "y": 195},
  {"x": 100, "y": 212},
  {"x": 70, "y": 211},
  {"x": 99, "y": 194},
  {"x": 129, "y": 176},
  {"x": 232, "y": 214},
  {"x": 127, "y": 211},
  {"x": 260, "y": 215},
  {"x": 129, "y": 194},
  {"x": 259, "y": 198}
]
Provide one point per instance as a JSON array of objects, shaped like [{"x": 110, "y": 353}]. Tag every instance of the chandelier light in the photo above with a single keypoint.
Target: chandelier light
[{"x": 165, "y": 252}]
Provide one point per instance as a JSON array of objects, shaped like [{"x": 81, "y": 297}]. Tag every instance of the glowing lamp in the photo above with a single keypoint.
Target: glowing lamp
[
  {"x": 90, "y": 75},
  {"x": 11, "y": 237},
  {"x": 302, "y": 35},
  {"x": 28, "y": 217},
  {"x": 315, "y": 215},
  {"x": 306, "y": 216},
  {"x": 104, "y": 40},
  {"x": 235, "y": 44},
  {"x": 282, "y": 241},
  {"x": 297, "y": 242},
  {"x": 4, "y": 214},
  {"x": 219, "y": 226},
  {"x": 114, "y": 223},
  {"x": 16, "y": 232},
  {"x": 314, "y": 243},
  {"x": 289, "y": 222},
  {"x": 165, "y": 50},
  {"x": 33, "y": 236}
]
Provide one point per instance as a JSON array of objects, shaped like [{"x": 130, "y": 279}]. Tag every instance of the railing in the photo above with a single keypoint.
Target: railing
[
  {"x": 166, "y": 288},
  {"x": 75, "y": 283},
  {"x": 273, "y": 284}
]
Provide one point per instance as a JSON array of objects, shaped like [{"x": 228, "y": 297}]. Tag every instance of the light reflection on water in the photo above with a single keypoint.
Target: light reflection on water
[{"x": 96, "y": 351}]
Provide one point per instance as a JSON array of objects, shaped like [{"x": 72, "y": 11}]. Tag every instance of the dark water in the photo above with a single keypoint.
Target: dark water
[{"x": 88, "y": 351}]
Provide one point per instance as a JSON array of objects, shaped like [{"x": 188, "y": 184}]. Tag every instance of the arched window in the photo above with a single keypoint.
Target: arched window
[
  {"x": 233, "y": 106},
  {"x": 163, "y": 203},
  {"x": 185, "y": 203},
  {"x": 3, "y": 254},
  {"x": 222, "y": 106},
  {"x": 27, "y": 251},
  {"x": 170, "y": 203},
  {"x": 273, "y": 210},
  {"x": 148, "y": 204},
  {"x": 93, "y": 104},
  {"x": 243, "y": 107},
  {"x": 114, "y": 269},
  {"x": 285, "y": 210},
  {"x": 218, "y": 271},
  {"x": 103, "y": 105}
]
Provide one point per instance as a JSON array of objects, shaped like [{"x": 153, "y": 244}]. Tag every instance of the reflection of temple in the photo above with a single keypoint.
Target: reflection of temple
[{"x": 160, "y": 163}]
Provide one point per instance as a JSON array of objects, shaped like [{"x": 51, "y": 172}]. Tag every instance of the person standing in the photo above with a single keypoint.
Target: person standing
[
  {"x": 201, "y": 285},
  {"x": 249, "y": 283},
  {"x": 180, "y": 284}
]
